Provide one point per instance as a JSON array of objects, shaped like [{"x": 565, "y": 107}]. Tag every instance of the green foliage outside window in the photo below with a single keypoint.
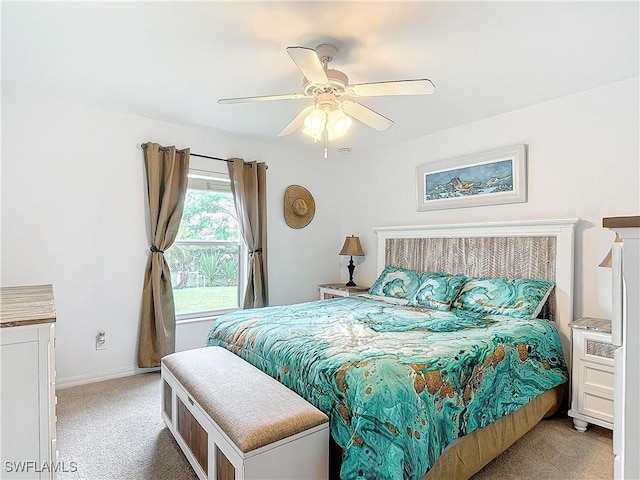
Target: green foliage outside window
[
  {"x": 205, "y": 275},
  {"x": 209, "y": 215}
]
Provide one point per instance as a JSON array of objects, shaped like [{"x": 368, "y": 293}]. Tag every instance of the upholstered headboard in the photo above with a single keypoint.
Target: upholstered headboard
[{"x": 534, "y": 249}]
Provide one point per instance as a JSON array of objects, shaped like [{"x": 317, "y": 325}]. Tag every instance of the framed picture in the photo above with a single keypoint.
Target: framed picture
[{"x": 487, "y": 178}]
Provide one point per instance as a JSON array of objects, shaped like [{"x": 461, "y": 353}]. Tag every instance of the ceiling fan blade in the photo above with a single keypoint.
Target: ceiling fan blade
[
  {"x": 309, "y": 64},
  {"x": 296, "y": 122},
  {"x": 264, "y": 98},
  {"x": 366, "y": 115},
  {"x": 399, "y": 87}
]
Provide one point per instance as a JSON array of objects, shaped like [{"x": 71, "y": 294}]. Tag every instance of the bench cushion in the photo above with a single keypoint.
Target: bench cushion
[{"x": 252, "y": 408}]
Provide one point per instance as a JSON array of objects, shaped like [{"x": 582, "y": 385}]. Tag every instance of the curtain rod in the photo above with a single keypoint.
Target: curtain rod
[
  {"x": 144, "y": 145},
  {"x": 212, "y": 158}
]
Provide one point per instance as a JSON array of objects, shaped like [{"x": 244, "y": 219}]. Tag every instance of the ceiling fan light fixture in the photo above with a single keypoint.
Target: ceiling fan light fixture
[
  {"x": 331, "y": 115},
  {"x": 315, "y": 123},
  {"x": 338, "y": 124},
  {"x": 316, "y": 136}
]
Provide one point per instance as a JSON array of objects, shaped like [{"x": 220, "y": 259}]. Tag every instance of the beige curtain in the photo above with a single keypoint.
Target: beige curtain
[
  {"x": 249, "y": 187},
  {"x": 167, "y": 170}
]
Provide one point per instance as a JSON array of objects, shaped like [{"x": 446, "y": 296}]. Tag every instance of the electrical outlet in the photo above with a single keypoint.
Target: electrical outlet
[{"x": 101, "y": 341}]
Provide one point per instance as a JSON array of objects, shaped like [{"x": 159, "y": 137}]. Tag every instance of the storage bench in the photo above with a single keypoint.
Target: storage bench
[{"x": 233, "y": 421}]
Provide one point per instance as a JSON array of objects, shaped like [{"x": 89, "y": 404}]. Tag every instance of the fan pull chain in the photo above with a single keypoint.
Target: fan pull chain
[{"x": 325, "y": 135}]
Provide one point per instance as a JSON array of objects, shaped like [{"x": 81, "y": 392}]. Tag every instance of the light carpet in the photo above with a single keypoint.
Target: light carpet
[{"x": 113, "y": 430}]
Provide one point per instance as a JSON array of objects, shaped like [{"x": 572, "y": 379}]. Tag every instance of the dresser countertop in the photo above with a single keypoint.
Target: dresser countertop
[
  {"x": 28, "y": 305},
  {"x": 621, "y": 222},
  {"x": 589, "y": 323}
]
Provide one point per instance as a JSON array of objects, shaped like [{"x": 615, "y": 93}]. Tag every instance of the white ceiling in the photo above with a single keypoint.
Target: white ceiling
[{"x": 173, "y": 60}]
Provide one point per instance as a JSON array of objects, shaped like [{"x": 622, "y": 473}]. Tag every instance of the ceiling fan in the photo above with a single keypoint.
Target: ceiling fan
[{"x": 335, "y": 100}]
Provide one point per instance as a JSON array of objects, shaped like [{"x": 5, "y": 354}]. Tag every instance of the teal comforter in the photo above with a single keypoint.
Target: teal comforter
[{"x": 398, "y": 383}]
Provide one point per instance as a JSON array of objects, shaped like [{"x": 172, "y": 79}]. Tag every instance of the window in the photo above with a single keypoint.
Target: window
[{"x": 208, "y": 258}]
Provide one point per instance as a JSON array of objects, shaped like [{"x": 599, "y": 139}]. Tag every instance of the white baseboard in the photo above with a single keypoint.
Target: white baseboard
[{"x": 99, "y": 377}]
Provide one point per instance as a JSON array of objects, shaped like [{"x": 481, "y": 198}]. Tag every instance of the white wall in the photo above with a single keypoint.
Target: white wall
[
  {"x": 73, "y": 214},
  {"x": 583, "y": 162},
  {"x": 73, "y": 205}
]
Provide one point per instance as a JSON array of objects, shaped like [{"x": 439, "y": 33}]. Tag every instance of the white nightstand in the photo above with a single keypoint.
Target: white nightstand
[
  {"x": 592, "y": 373},
  {"x": 332, "y": 290}
]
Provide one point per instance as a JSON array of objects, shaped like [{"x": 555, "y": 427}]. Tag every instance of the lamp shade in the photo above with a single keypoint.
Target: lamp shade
[
  {"x": 606, "y": 262},
  {"x": 328, "y": 122},
  {"x": 337, "y": 124},
  {"x": 315, "y": 123},
  {"x": 352, "y": 247}
]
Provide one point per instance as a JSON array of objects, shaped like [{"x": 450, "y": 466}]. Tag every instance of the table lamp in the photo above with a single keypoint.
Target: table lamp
[
  {"x": 607, "y": 260},
  {"x": 352, "y": 247}
]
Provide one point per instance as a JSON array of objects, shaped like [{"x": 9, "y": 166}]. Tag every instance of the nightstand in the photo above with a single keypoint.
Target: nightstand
[
  {"x": 332, "y": 290},
  {"x": 592, "y": 373}
]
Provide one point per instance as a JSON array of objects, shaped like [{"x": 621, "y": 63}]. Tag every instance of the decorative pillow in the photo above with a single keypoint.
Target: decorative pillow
[
  {"x": 519, "y": 297},
  {"x": 396, "y": 282},
  {"x": 437, "y": 291}
]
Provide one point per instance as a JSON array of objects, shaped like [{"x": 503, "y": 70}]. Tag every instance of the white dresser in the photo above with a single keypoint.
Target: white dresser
[
  {"x": 27, "y": 398},
  {"x": 625, "y": 335}
]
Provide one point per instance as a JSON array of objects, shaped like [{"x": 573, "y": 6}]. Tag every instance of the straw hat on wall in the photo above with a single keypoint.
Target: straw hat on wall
[{"x": 299, "y": 206}]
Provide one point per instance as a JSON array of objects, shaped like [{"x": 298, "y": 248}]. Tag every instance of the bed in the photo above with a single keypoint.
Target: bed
[{"x": 415, "y": 388}]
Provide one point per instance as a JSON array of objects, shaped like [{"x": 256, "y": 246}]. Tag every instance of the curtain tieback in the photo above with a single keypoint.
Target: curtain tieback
[
  {"x": 257, "y": 250},
  {"x": 155, "y": 249}
]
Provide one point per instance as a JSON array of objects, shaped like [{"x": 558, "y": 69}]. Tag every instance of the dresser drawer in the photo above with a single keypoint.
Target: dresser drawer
[
  {"x": 596, "y": 393},
  {"x": 596, "y": 405},
  {"x": 597, "y": 377},
  {"x": 596, "y": 347}
]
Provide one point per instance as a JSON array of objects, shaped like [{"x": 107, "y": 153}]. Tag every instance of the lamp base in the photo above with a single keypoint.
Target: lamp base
[{"x": 351, "y": 267}]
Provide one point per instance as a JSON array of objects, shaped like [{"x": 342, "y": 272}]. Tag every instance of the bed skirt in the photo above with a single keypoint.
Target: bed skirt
[{"x": 469, "y": 454}]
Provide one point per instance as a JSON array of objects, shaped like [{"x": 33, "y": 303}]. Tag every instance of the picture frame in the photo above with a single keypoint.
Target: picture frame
[{"x": 487, "y": 178}]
